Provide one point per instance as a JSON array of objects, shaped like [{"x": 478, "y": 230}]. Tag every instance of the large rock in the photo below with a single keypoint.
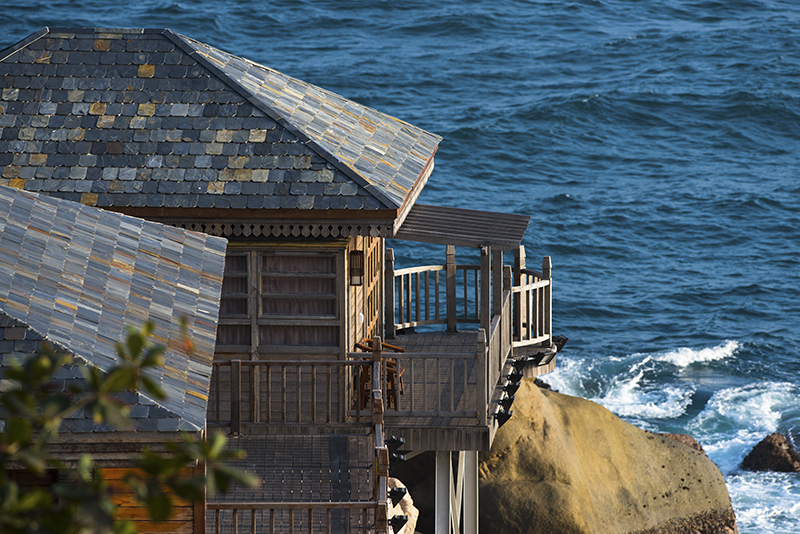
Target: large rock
[
  {"x": 567, "y": 465},
  {"x": 773, "y": 453}
]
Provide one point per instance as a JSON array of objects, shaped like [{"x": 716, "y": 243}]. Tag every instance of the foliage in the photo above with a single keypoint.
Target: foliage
[{"x": 79, "y": 501}]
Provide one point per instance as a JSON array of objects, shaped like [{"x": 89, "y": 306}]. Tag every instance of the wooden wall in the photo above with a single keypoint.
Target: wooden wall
[{"x": 186, "y": 518}]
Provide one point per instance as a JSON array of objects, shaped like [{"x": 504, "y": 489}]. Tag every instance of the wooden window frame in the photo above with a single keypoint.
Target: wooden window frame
[{"x": 256, "y": 319}]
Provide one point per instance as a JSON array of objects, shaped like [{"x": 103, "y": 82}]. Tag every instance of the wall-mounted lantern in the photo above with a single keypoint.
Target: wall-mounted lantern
[{"x": 356, "y": 268}]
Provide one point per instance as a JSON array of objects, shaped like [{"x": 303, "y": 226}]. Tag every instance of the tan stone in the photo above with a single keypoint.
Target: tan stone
[{"x": 567, "y": 465}]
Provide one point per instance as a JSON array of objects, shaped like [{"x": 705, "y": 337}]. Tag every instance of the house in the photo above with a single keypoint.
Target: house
[
  {"x": 77, "y": 276},
  {"x": 306, "y": 186}
]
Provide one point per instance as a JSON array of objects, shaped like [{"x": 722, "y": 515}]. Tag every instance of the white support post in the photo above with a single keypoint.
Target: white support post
[
  {"x": 444, "y": 488},
  {"x": 470, "y": 515}
]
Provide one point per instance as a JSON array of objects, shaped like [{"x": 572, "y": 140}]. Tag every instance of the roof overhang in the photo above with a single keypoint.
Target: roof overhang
[{"x": 442, "y": 225}]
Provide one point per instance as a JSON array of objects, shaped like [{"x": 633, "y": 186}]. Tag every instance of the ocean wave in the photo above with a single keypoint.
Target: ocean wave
[
  {"x": 685, "y": 357},
  {"x": 741, "y": 416}
]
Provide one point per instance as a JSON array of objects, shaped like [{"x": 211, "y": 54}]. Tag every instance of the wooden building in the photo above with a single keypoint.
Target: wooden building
[{"x": 306, "y": 186}]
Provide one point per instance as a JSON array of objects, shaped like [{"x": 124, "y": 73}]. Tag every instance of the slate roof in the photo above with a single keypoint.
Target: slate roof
[
  {"x": 150, "y": 118},
  {"x": 78, "y": 276}
]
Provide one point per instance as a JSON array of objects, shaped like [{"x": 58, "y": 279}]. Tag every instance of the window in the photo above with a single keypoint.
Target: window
[{"x": 287, "y": 300}]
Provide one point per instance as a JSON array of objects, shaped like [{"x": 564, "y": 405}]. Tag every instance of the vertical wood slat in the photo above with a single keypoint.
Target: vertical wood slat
[
  {"x": 411, "y": 384},
  {"x": 547, "y": 271},
  {"x": 452, "y": 386},
  {"x": 409, "y": 291},
  {"x": 314, "y": 393},
  {"x": 216, "y": 392},
  {"x": 255, "y": 390},
  {"x": 476, "y": 290},
  {"x": 427, "y": 296},
  {"x": 299, "y": 395},
  {"x": 438, "y": 387},
  {"x": 330, "y": 396},
  {"x": 450, "y": 288},
  {"x": 283, "y": 390},
  {"x": 236, "y": 383},
  {"x": 416, "y": 298},
  {"x": 485, "y": 306},
  {"x": 269, "y": 394},
  {"x": 389, "y": 293},
  {"x": 436, "y": 293},
  {"x": 465, "y": 295},
  {"x": 401, "y": 299},
  {"x": 497, "y": 282}
]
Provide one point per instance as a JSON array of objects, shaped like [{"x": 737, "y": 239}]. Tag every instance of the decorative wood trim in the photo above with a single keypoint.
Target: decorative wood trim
[{"x": 282, "y": 229}]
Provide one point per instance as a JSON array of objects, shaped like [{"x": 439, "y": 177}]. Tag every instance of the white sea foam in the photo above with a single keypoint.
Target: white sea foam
[
  {"x": 755, "y": 406},
  {"x": 628, "y": 397},
  {"x": 684, "y": 357},
  {"x": 735, "y": 419},
  {"x": 624, "y": 385},
  {"x": 765, "y": 502}
]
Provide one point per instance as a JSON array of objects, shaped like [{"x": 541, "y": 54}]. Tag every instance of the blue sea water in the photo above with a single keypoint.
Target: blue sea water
[{"x": 653, "y": 142}]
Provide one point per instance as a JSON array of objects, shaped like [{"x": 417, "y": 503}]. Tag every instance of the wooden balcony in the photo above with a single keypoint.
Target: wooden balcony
[{"x": 441, "y": 393}]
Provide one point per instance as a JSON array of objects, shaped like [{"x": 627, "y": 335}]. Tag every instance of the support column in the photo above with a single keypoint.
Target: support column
[
  {"x": 444, "y": 488},
  {"x": 470, "y": 518}
]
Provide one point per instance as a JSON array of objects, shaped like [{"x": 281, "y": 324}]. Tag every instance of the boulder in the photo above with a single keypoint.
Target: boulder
[
  {"x": 773, "y": 453},
  {"x": 567, "y": 465}
]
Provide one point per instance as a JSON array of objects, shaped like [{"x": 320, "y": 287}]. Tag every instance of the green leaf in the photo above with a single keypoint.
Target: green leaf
[
  {"x": 18, "y": 431},
  {"x": 153, "y": 388},
  {"x": 158, "y": 503}
]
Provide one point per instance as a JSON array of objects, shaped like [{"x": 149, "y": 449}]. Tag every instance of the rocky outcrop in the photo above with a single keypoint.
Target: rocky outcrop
[
  {"x": 773, "y": 453},
  {"x": 567, "y": 465},
  {"x": 686, "y": 439}
]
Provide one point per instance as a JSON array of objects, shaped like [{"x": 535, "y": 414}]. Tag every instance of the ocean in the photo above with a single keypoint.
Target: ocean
[{"x": 655, "y": 145}]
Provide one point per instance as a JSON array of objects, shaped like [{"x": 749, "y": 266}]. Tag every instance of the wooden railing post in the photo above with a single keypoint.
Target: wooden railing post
[
  {"x": 547, "y": 272},
  {"x": 450, "y": 288},
  {"x": 485, "y": 305},
  {"x": 497, "y": 282},
  {"x": 508, "y": 316},
  {"x": 483, "y": 370},
  {"x": 389, "y": 294},
  {"x": 236, "y": 400},
  {"x": 519, "y": 309}
]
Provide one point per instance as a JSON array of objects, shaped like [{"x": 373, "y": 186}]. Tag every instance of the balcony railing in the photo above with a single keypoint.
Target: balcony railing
[{"x": 453, "y": 294}]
